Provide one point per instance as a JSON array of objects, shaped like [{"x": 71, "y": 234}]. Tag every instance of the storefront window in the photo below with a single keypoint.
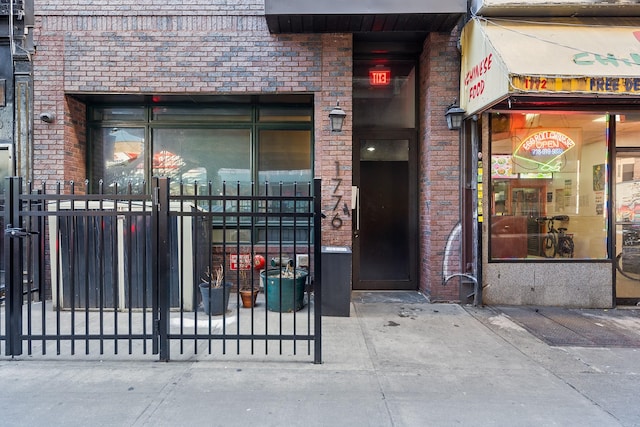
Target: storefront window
[
  {"x": 284, "y": 169},
  {"x": 118, "y": 113},
  {"x": 200, "y": 156},
  {"x": 235, "y": 113},
  {"x": 118, "y": 156},
  {"x": 288, "y": 114},
  {"x": 626, "y": 179},
  {"x": 228, "y": 148},
  {"x": 215, "y": 143},
  {"x": 548, "y": 194},
  {"x": 284, "y": 157}
]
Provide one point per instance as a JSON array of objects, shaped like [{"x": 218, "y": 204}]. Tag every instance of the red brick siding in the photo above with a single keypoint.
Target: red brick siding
[
  {"x": 48, "y": 144},
  {"x": 334, "y": 150},
  {"x": 200, "y": 48},
  {"x": 75, "y": 141},
  {"x": 439, "y": 169}
]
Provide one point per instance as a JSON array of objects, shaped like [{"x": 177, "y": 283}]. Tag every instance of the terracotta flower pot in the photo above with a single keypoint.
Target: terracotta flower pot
[{"x": 249, "y": 297}]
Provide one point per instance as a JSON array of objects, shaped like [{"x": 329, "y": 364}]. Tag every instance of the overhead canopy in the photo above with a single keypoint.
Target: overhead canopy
[
  {"x": 555, "y": 8},
  {"x": 570, "y": 57},
  {"x": 339, "y": 16}
]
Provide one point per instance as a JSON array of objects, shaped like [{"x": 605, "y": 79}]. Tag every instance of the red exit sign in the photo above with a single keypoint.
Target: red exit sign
[{"x": 379, "y": 77}]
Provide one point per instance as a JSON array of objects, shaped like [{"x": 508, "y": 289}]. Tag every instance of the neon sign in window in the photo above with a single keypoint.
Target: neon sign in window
[{"x": 543, "y": 151}]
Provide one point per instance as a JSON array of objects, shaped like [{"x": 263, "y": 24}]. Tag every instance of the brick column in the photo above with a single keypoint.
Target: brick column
[
  {"x": 439, "y": 166},
  {"x": 48, "y": 88},
  {"x": 333, "y": 150}
]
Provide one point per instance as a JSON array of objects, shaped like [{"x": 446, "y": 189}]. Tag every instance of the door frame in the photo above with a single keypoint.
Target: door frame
[
  {"x": 615, "y": 249},
  {"x": 412, "y": 283}
]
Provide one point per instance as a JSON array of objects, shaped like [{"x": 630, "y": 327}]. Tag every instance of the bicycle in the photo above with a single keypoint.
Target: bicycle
[
  {"x": 628, "y": 261},
  {"x": 557, "y": 241}
]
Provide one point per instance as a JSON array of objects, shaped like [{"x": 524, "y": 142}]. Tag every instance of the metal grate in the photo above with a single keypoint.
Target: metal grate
[{"x": 573, "y": 327}]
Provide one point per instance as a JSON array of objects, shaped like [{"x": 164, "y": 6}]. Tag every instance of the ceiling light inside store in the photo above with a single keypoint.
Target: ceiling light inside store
[
  {"x": 532, "y": 120},
  {"x": 602, "y": 119}
]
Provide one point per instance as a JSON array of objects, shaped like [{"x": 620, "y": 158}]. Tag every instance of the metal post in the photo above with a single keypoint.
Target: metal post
[
  {"x": 477, "y": 213},
  {"x": 161, "y": 263},
  {"x": 477, "y": 297},
  {"x": 317, "y": 268},
  {"x": 13, "y": 264}
]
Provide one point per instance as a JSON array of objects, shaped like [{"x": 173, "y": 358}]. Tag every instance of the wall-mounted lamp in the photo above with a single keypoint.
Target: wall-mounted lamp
[
  {"x": 454, "y": 116},
  {"x": 336, "y": 116}
]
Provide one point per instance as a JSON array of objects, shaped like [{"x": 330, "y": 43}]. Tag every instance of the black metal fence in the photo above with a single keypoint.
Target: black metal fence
[{"x": 162, "y": 274}]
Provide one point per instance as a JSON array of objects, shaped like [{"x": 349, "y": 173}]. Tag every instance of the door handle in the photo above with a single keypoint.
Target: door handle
[{"x": 355, "y": 206}]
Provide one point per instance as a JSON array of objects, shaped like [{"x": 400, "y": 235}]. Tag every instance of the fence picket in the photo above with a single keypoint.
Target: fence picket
[{"x": 107, "y": 270}]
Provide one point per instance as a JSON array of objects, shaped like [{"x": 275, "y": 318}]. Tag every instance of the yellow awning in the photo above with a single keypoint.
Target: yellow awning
[{"x": 505, "y": 57}]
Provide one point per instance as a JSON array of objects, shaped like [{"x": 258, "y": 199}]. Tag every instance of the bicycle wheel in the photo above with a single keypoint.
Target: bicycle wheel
[
  {"x": 630, "y": 273},
  {"x": 549, "y": 246},
  {"x": 565, "y": 247}
]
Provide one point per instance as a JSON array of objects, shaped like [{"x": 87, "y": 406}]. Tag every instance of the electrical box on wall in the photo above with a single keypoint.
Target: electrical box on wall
[
  {"x": 6, "y": 164},
  {"x": 302, "y": 261}
]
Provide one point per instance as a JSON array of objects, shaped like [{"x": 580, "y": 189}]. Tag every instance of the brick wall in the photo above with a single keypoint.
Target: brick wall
[
  {"x": 151, "y": 55},
  {"x": 334, "y": 150},
  {"x": 439, "y": 165},
  {"x": 75, "y": 140},
  {"x": 48, "y": 144},
  {"x": 94, "y": 8},
  {"x": 204, "y": 47}
]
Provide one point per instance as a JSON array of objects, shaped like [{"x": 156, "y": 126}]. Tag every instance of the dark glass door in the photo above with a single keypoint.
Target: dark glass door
[{"x": 385, "y": 232}]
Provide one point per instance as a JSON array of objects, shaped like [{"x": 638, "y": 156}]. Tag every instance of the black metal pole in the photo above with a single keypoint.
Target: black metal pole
[
  {"x": 477, "y": 297},
  {"x": 13, "y": 264},
  {"x": 317, "y": 268},
  {"x": 162, "y": 264}
]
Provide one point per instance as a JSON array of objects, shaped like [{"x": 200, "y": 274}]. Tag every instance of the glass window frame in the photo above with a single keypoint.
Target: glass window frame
[
  {"x": 609, "y": 149},
  {"x": 254, "y": 126}
]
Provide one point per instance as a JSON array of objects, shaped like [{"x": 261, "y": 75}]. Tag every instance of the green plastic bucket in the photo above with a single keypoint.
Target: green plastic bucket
[{"x": 284, "y": 294}]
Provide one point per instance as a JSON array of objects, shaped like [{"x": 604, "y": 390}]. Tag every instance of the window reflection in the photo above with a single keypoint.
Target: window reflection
[
  {"x": 542, "y": 167},
  {"x": 122, "y": 157},
  {"x": 199, "y": 156},
  {"x": 391, "y": 104},
  {"x": 234, "y": 147},
  {"x": 284, "y": 167}
]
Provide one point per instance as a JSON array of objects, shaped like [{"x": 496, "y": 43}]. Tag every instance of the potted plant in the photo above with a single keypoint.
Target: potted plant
[
  {"x": 285, "y": 288},
  {"x": 215, "y": 292},
  {"x": 248, "y": 293},
  {"x": 249, "y": 296}
]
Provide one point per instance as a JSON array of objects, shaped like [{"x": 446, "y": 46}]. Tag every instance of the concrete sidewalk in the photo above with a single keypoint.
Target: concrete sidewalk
[{"x": 394, "y": 362}]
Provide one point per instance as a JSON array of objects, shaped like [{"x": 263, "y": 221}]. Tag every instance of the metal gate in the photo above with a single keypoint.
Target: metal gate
[{"x": 123, "y": 273}]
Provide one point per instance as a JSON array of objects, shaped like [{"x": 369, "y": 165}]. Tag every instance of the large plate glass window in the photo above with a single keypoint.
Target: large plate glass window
[
  {"x": 199, "y": 156},
  {"x": 548, "y": 186},
  {"x": 235, "y": 146},
  {"x": 118, "y": 158},
  {"x": 284, "y": 169}
]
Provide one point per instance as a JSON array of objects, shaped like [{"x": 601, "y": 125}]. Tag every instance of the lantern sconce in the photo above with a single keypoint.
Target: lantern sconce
[
  {"x": 454, "y": 116},
  {"x": 336, "y": 116}
]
